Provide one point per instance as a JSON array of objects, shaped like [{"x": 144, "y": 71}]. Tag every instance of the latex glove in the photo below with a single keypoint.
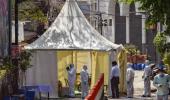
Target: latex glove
[
  {"x": 84, "y": 82},
  {"x": 142, "y": 77},
  {"x": 159, "y": 85}
]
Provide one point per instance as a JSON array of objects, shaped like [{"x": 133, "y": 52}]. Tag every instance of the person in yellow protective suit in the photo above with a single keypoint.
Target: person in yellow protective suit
[
  {"x": 130, "y": 74},
  {"x": 84, "y": 81},
  {"x": 71, "y": 79},
  {"x": 161, "y": 82}
]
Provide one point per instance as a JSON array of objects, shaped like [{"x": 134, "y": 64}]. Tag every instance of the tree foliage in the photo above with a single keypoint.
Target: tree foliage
[
  {"x": 156, "y": 10},
  {"x": 6, "y": 64},
  {"x": 28, "y": 10},
  {"x": 126, "y": 1},
  {"x": 25, "y": 60},
  {"x": 131, "y": 49},
  {"x": 160, "y": 43},
  {"x": 167, "y": 58},
  {"x": 37, "y": 10}
]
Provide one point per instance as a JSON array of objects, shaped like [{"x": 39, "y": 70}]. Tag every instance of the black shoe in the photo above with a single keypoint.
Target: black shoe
[
  {"x": 129, "y": 97},
  {"x": 113, "y": 97},
  {"x": 143, "y": 96},
  {"x": 71, "y": 96},
  {"x": 148, "y": 96}
]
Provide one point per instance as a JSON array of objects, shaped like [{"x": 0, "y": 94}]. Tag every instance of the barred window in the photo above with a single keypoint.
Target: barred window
[{"x": 110, "y": 22}]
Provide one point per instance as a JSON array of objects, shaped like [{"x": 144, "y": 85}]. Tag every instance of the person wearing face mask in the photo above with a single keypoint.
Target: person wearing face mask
[
  {"x": 71, "y": 79},
  {"x": 161, "y": 82},
  {"x": 130, "y": 74},
  {"x": 84, "y": 81},
  {"x": 146, "y": 77}
]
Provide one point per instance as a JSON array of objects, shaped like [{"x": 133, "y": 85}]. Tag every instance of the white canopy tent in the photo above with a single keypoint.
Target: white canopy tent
[{"x": 70, "y": 31}]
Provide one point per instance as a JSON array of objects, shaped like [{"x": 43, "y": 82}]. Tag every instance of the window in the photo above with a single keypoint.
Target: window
[
  {"x": 95, "y": 24},
  {"x": 110, "y": 22},
  {"x": 105, "y": 22},
  {"x": 95, "y": 6}
]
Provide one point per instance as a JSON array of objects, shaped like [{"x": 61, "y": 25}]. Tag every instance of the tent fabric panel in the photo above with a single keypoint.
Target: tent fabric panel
[
  {"x": 120, "y": 57},
  {"x": 112, "y": 57},
  {"x": 43, "y": 73},
  {"x": 122, "y": 60},
  {"x": 93, "y": 68},
  {"x": 106, "y": 68},
  {"x": 100, "y": 64},
  {"x": 64, "y": 58},
  {"x": 103, "y": 65},
  {"x": 83, "y": 58}
]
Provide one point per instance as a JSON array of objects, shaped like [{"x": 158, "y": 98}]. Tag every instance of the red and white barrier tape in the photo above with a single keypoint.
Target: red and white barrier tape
[{"x": 97, "y": 89}]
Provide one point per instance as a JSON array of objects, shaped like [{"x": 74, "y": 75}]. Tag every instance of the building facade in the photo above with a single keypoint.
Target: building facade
[{"x": 123, "y": 24}]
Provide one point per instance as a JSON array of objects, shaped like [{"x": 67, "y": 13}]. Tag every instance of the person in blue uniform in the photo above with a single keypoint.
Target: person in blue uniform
[{"x": 114, "y": 78}]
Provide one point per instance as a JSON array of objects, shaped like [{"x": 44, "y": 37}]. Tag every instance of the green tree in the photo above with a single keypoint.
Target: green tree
[
  {"x": 160, "y": 43},
  {"x": 38, "y": 10},
  {"x": 131, "y": 49},
  {"x": 29, "y": 10},
  {"x": 156, "y": 10}
]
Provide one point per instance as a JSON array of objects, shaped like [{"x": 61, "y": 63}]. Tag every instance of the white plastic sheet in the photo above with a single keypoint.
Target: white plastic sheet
[{"x": 44, "y": 71}]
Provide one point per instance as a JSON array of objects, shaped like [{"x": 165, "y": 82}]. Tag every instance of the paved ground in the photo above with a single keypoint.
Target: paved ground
[
  {"x": 77, "y": 98},
  {"x": 138, "y": 87}
]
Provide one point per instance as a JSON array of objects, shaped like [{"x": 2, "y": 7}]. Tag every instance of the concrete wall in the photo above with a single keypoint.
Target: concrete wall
[{"x": 117, "y": 31}]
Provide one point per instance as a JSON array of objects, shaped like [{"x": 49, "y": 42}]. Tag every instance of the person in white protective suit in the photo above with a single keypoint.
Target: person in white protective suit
[
  {"x": 130, "y": 74},
  {"x": 161, "y": 82},
  {"x": 84, "y": 81},
  {"x": 146, "y": 76},
  {"x": 71, "y": 79}
]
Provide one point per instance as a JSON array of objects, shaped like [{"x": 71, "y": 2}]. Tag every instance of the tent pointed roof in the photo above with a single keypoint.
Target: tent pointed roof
[{"x": 71, "y": 30}]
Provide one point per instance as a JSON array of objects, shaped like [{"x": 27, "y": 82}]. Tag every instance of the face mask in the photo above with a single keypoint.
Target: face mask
[{"x": 161, "y": 75}]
